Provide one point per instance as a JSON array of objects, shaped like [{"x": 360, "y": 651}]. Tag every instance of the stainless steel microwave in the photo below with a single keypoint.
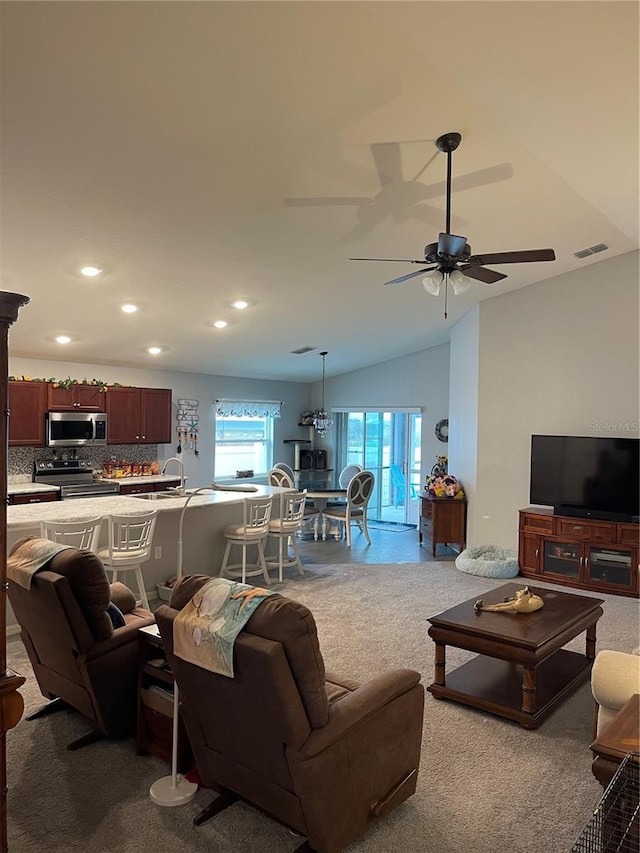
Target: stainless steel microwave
[{"x": 76, "y": 429}]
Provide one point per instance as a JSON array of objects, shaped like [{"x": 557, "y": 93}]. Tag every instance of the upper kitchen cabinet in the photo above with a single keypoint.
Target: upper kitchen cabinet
[
  {"x": 27, "y": 407},
  {"x": 139, "y": 415},
  {"x": 74, "y": 398}
]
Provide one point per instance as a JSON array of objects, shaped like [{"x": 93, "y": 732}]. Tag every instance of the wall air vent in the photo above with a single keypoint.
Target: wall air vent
[
  {"x": 592, "y": 250},
  {"x": 302, "y": 350}
]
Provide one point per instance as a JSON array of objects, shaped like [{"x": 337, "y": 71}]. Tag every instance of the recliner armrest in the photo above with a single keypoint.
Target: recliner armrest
[
  {"x": 355, "y": 707},
  {"x": 615, "y": 677},
  {"x": 120, "y": 637}
]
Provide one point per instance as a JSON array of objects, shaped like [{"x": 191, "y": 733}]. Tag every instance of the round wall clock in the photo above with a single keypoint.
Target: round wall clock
[{"x": 442, "y": 430}]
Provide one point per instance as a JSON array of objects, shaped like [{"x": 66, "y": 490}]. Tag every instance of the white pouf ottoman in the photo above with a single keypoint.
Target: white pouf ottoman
[{"x": 488, "y": 561}]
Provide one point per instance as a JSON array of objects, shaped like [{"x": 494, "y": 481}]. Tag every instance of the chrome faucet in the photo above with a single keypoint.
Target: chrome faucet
[{"x": 181, "y": 489}]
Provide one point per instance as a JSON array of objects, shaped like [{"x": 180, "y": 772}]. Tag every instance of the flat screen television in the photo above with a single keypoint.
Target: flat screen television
[{"x": 586, "y": 476}]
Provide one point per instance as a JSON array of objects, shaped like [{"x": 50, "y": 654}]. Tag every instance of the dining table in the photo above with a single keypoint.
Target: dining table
[{"x": 321, "y": 493}]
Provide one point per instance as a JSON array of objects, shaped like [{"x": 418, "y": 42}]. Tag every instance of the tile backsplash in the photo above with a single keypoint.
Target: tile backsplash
[{"x": 22, "y": 459}]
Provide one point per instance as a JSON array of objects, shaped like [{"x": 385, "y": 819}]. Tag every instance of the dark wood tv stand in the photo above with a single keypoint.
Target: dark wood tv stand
[{"x": 580, "y": 552}]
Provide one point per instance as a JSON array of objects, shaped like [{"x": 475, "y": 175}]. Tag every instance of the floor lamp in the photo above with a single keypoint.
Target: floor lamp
[{"x": 175, "y": 790}]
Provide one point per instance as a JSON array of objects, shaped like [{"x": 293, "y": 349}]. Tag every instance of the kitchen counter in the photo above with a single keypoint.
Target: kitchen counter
[
  {"x": 140, "y": 481},
  {"x": 30, "y": 488},
  {"x": 205, "y": 518}
]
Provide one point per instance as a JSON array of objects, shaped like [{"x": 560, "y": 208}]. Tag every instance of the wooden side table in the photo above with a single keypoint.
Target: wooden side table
[
  {"x": 442, "y": 520},
  {"x": 154, "y": 729},
  {"x": 618, "y": 738}
]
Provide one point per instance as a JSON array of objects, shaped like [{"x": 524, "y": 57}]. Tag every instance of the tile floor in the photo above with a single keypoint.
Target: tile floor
[{"x": 387, "y": 546}]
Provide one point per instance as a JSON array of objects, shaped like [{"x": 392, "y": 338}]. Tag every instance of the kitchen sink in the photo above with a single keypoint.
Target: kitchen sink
[{"x": 156, "y": 496}]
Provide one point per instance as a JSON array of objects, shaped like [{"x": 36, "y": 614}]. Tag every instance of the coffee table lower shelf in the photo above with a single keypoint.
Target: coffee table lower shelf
[{"x": 495, "y": 686}]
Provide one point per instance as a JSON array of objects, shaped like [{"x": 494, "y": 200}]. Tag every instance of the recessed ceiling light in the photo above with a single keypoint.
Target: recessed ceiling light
[
  {"x": 155, "y": 350},
  {"x": 63, "y": 339},
  {"x": 91, "y": 272},
  {"x": 220, "y": 324},
  {"x": 129, "y": 309},
  {"x": 240, "y": 304}
]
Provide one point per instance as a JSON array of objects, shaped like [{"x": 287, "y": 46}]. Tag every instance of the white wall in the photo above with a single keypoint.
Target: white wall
[
  {"x": 417, "y": 380},
  {"x": 556, "y": 357},
  {"x": 463, "y": 407},
  {"x": 191, "y": 386}
]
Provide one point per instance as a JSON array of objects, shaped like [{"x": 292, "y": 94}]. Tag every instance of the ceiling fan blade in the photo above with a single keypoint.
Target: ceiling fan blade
[
  {"x": 526, "y": 257},
  {"x": 389, "y": 260},
  {"x": 388, "y": 161},
  {"x": 482, "y": 274},
  {"x": 410, "y": 275},
  {"x": 450, "y": 244},
  {"x": 313, "y": 202}
]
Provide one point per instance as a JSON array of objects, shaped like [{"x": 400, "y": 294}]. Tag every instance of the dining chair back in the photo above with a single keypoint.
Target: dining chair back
[
  {"x": 130, "y": 540},
  {"x": 252, "y": 531},
  {"x": 286, "y": 468},
  {"x": 280, "y": 478},
  {"x": 347, "y": 473},
  {"x": 359, "y": 492},
  {"x": 82, "y": 535}
]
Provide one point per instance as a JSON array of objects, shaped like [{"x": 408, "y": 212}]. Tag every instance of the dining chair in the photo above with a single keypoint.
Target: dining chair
[
  {"x": 278, "y": 477},
  {"x": 130, "y": 540},
  {"x": 284, "y": 528},
  {"x": 359, "y": 491},
  {"x": 252, "y": 531},
  {"x": 344, "y": 479},
  {"x": 82, "y": 535},
  {"x": 286, "y": 468}
]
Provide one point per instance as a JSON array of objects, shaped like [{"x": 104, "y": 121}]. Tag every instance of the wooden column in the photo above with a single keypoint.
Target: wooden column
[{"x": 11, "y": 704}]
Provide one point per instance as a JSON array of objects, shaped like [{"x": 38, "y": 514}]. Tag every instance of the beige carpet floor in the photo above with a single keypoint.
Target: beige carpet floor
[{"x": 485, "y": 784}]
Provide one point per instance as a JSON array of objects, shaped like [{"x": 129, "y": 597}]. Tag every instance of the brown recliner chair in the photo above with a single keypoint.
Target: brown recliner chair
[
  {"x": 78, "y": 658},
  {"x": 323, "y": 755}
]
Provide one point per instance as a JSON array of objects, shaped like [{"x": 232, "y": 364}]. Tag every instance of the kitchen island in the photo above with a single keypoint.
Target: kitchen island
[{"x": 203, "y": 538}]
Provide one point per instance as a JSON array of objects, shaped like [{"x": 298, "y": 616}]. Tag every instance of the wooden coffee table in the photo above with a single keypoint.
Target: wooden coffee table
[{"x": 521, "y": 671}]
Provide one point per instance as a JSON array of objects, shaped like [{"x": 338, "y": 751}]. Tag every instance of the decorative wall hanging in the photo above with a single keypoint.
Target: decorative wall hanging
[
  {"x": 188, "y": 425},
  {"x": 248, "y": 408},
  {"x": 442, "y": 430}
]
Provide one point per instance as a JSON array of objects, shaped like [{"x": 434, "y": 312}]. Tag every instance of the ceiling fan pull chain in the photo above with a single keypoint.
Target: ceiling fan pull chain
[{"x": 446, "y": 292}]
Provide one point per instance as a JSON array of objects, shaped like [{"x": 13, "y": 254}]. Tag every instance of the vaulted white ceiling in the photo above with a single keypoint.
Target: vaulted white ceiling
[{"x": 201, "y": 152}]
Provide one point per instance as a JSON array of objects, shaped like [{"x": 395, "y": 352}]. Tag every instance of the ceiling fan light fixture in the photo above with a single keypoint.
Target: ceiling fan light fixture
[
  {"x": 432, "y": 282},
  {"x": 459, "y": 282}
]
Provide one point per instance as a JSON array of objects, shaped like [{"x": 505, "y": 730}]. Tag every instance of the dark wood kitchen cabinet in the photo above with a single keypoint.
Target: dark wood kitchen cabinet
[
  {"x": 27, "y": 407},
  {"x": 139, "y": 416},
  {"x": 74, "y": 398}
]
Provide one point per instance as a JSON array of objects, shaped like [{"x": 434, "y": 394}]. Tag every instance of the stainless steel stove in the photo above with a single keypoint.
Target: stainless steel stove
[{"x": 75, "y": 478}]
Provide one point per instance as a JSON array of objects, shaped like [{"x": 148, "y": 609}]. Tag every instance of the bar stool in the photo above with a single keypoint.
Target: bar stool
[
  {"x": 279, "y": 477},
  {"x": 254, "y": 529},
  {"x": 284, "y": 530},
  {"x": 82, "y": 535},
  {"x": 130, "y": 540}
]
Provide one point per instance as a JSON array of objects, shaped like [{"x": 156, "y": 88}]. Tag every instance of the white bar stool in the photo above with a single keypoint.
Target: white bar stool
[
  {"x": 284, "y": 530},
  {"x": 130, "y": 540},
  {"x": 83, "y": 535},
  {"x": 254, "y": 529}
]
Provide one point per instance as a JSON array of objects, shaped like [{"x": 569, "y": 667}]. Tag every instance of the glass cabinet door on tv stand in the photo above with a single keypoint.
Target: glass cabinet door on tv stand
[{"x": 585, "y": 553}]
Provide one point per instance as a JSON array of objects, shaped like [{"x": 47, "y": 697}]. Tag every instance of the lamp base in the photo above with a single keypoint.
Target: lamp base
[{"x": 164, "y": 792}]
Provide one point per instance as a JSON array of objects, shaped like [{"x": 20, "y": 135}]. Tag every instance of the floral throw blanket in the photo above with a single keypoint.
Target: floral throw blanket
[
  {"x": 29, "y": 557},
  {"x": 205, "y": 630}
]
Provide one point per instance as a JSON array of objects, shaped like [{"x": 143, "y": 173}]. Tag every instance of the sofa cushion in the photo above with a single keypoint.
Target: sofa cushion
[{"x": 291, "y": 624}]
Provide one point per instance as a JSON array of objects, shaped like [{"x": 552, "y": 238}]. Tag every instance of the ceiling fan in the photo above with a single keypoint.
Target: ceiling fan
[{"x": 451, "y": 256}]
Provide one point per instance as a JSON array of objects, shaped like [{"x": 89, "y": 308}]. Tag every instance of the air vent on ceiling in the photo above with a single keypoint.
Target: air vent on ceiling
[
  {"x": 302, "y": 350},
  {"x": 592, "y": 250}
]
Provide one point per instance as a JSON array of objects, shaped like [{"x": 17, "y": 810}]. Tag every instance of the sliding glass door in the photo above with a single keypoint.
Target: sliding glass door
[{"x": 387, "y": 443}]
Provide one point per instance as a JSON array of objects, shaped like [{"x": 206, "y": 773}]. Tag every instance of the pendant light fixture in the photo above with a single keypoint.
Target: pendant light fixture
[{"x": 321, "y": 421}]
